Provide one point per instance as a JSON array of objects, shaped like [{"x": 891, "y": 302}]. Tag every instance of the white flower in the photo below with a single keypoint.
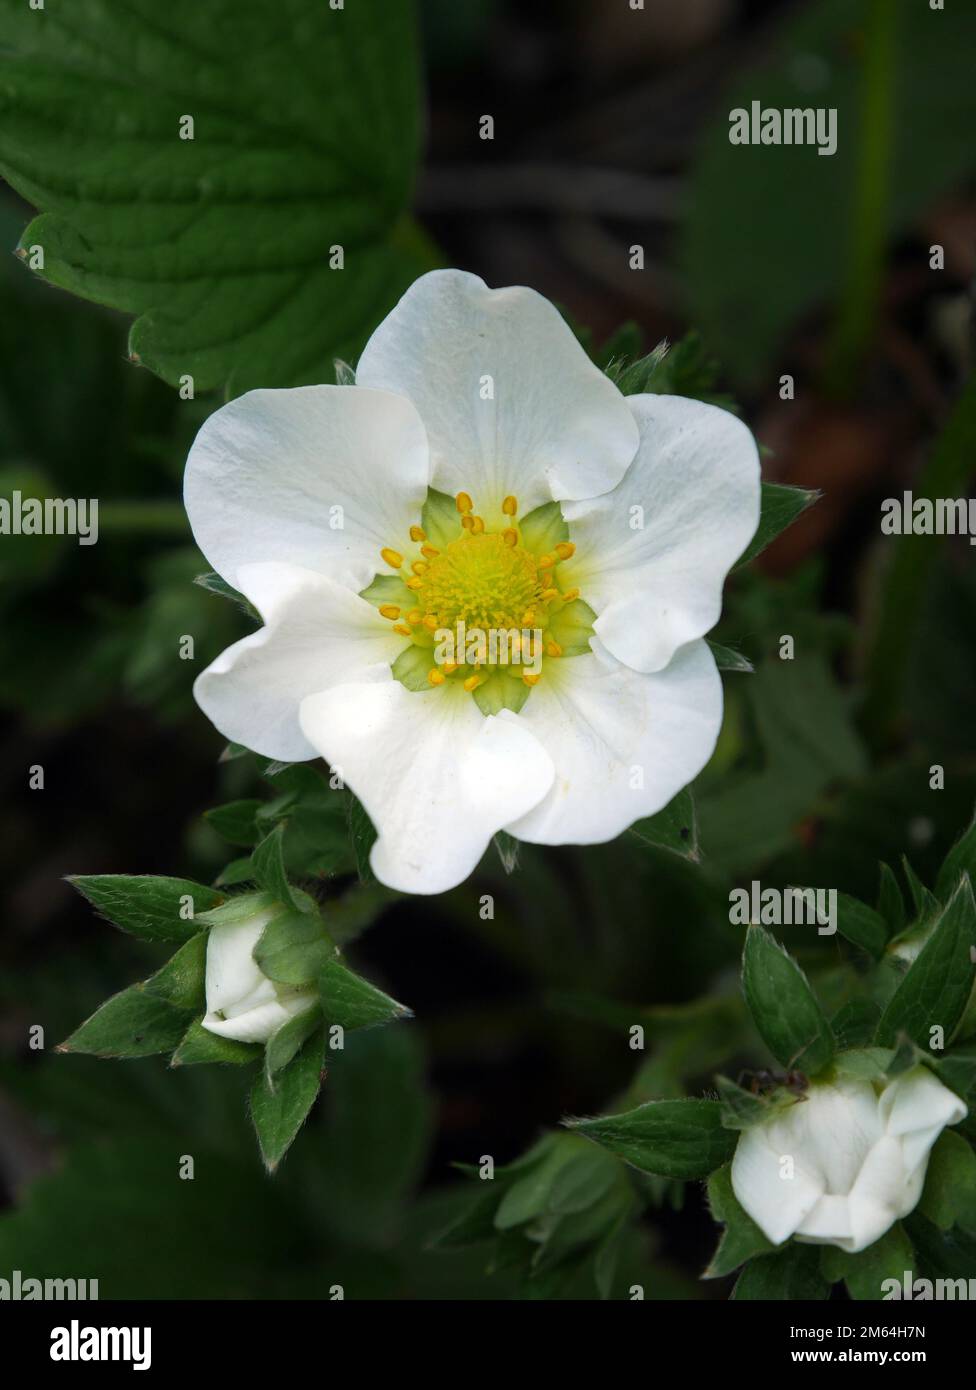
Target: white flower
[
  {"x": 242, "y": 1002},
  {"x": 364, "y": 522},
  {"x": 842, "y": 1166}
]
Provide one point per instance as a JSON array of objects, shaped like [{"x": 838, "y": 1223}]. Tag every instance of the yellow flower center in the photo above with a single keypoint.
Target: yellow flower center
[
  {"x": 481, "y": 581},
  {"x": 495, "y": 595}
]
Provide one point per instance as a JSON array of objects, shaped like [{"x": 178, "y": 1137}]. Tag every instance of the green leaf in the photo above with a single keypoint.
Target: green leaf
[
  {"x": 861, "y": 925},
  {"x": 130, "y": 1024},
  {"x": 891, "y": 904},
  {"x": 675, "y": 828},
  {"x": 780, "y": 507},
  {"x": 949, "y": 1195},
  {"x": 278, "y": 1114},
  {"x": 200, "y": 1045},
  {"x": 960, "y": 860},
  {"x": 742, "y": 1238},
  {"x": 352, "y": 1002},
  {"x": 864, "y": 1063},
  {"x": 305, "y": 139},
  {"x": 788, "y": 1275},
  {"x": 155, "y": 909},
  {"x": 865, "y": 1273},
  {"x": 740, "y": 1108},
  {"x": 924, "y": 902},
  {"x": 235, "y": 822},
  {"x": 282, "y": 1045},
  {"x": 936, "y": 988},
  {"x": 214, "y": 584},
  {"x": 293, "y": 948},
  {"x": 684, "y": 369},
  {"x": 784, "y": 1007},
  {"x": 363, "y": 837},
  {"x": 181, "y": 981},
  {"x": 670, "y": 1138},
  {"x": 268, "y": 863},
  {"x": 726, "y": 659}
]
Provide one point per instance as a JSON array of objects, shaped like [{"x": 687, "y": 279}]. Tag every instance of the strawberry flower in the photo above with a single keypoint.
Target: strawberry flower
[{"x": 484, "y": 575}]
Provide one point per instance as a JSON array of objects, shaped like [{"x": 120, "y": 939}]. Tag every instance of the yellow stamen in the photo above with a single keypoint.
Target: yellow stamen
[
  {"x": 429, "y": 552},
  {"x": 528, "y": 617},
  {"x": 389, "y": 610},
  {"x": 449, "y": 668},
  {"x": 431, "y": 622},
  {"x": 565, "y": 549},
  {"x": 549, "y": 594},
  {"x": 417, "y": 533},
  {"x": 414, "y": 583},
  {"x": 472, "y": 683},
  {"x": 530, "y": 679},
  {"x": 414, "y": 616},
  {"x": 546, "y": 561},
  {"x": 510, "y": 536},
  {"x": 467, "y": 522},
  {"x": 570, "y": 595},
  {"x": 510, "y": 505},
  {"x": 402, "y": 629},
  {"x": 436, "y": 677},
  {"x": 464, "y": 503},
  {"x": 477, "y": 525},
  {"x": 554, "y": 649},
  {"x": 392, "y": 557},
  {"x": 419, "y": 567}
]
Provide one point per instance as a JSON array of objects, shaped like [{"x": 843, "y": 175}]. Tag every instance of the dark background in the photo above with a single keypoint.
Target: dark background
[{"x": 609, "y": 131}]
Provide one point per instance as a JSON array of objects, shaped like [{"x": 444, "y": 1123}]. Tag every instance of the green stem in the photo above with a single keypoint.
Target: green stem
[
  {"x": 907, "y": 580},
  {"x": 143, "y": 518},
  {"x": 865, "y": 267}
]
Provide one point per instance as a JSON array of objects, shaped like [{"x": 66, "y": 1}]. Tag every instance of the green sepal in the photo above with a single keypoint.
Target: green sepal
[
  {"x": 936, "y": 988},
  {"x": 199, "y": 1045},
  {"x": 278, "y": 1113},
  {"x": 412, "y": 667},
  {"x": 674, "y": 828},
  {"x": 784, "y": 1007},
  {"x": 542, "y": 529},
  {"x": 780, "y": 507},
  {"x": 352, "y": 1002},
  {"x": 741, "y": 1239},
  {"x": 293, "y": 948},
  {"x": 440, "y": 519},
  {"x": 501, "y": 690},
  {"x": 669, "y": 1138},
  {"x": 148, "y": 906}
]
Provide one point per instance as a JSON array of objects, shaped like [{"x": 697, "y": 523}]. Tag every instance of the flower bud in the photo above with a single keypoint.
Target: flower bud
[
  {"x": 242, "y": 1002},
  {"x": 845, "y": 1164}
]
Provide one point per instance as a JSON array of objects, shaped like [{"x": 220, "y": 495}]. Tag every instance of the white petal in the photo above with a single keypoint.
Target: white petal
[
  {"x": 317, "y": 633},
  {"x": 839, "y": 1126},
  {"x": 884, "y": 1192},
  {"x": 232, "y": 973},
  {"x": 606, "y": 727},
  {"x": 437, "y": 778},
  {"x": 829, "y": 1223},
  {"x": 656, "y": 587},
  {"x": 553, "y": 426},
  {"x": 916, "y": 1107},
  {"x": 777, "y": 1204},
  {"x": 257, "y": 1023},
  {"x": 272, "y": 475}
]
